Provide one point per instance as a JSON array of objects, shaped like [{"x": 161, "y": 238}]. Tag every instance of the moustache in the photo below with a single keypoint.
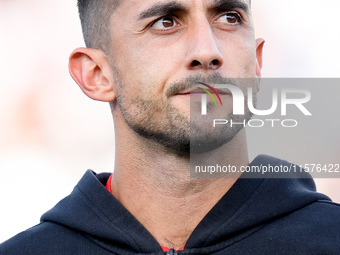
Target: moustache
[{"x": 192, "y": 82}]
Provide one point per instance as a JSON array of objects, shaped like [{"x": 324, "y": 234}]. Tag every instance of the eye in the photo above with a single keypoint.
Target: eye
[
  {"x": 164, "y": 23},
  {"x": 231, "y": 18}
]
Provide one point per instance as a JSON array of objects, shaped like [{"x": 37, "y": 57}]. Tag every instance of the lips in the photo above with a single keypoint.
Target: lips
[{"x": 199, "y": 91}]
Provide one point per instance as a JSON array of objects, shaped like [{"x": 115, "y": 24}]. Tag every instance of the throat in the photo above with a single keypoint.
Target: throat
[
  {"x": 171, "y": 216},
  {"x": 175, "y": 246}
]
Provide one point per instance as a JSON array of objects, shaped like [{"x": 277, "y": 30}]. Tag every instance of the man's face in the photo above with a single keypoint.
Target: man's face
[{"x": 161, "y": 48}]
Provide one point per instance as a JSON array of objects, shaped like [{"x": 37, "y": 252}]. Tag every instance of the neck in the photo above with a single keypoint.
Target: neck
[{"x": 155, "y": 186}]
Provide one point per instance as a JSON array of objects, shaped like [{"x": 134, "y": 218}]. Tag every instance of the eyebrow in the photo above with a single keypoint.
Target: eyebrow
[
  {"x": 228, "y": 5},
  {"x": 162, "y": 9}
]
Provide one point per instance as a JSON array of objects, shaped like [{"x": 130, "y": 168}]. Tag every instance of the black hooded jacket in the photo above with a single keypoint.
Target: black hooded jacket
[{"x": 256, "y": 216}]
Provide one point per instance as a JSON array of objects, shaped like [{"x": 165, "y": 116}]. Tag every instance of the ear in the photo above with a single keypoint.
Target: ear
[
  {"x": 259, "y": 49},
  {"x": 91, "y": 70}
]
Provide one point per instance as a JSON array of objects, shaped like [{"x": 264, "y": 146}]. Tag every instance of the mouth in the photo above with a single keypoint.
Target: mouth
[{"x": 199, "y": 90}]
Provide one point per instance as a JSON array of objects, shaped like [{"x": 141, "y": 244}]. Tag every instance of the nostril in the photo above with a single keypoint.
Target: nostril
[
  {"x": 214, "y": 62},
  {"x": 206, "y": 65},
  {"x": 196, "y": 63}
]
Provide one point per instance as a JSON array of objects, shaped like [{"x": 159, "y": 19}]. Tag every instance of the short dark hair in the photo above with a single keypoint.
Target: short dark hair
[{"x": 95, "y": 22}]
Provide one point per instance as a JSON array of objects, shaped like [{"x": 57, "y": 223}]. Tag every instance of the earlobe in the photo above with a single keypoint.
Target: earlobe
[
  {"x": 91, "y": 70},
  {"x": 259, "y": 50}
]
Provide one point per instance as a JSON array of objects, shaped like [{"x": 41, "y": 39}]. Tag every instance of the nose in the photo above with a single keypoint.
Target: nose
[{"x": 203, "y": 52}]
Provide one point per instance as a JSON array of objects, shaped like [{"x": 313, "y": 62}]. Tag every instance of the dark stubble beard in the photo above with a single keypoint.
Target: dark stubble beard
[{"x": 159, "y": 121}]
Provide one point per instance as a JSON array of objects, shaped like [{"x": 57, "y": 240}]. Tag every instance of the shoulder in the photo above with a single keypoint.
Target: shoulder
[
  {"x": 322, "y": 216},
  {"x": 314, "y": 227},
  {"x": 48, "y": 238}
]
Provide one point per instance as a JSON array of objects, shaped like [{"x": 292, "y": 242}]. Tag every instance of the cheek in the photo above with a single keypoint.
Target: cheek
[
  {"x": 239, "y": 54},
  {"x": 247, "y": 56},
  {"x": 248, "y": 59},
  {"x": 148, "y": 64},
  {"x": 243, "y": 65}
]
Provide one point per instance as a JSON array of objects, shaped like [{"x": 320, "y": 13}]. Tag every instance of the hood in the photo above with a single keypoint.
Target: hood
[{"x": 247, "y": 206}]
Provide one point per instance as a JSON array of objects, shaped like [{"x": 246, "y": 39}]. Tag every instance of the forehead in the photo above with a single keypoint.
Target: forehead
[{"x": 148, "y": 7}]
